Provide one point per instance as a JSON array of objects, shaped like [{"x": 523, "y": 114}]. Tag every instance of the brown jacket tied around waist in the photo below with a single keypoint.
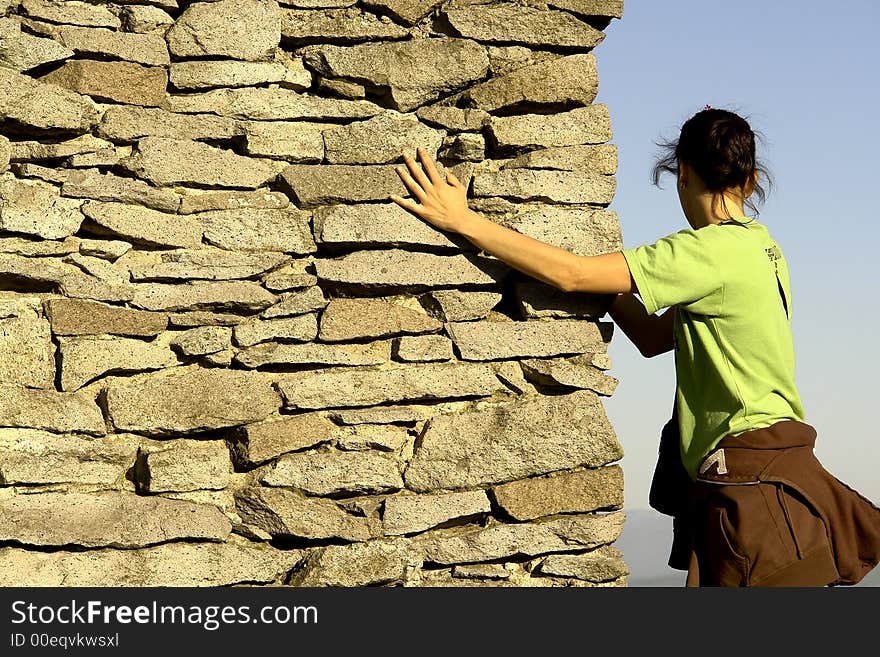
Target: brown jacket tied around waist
[{"x": 764, "y": 512}]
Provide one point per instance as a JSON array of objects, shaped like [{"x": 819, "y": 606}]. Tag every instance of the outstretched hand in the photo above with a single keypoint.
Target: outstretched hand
[{"x": 441, "y": 202}]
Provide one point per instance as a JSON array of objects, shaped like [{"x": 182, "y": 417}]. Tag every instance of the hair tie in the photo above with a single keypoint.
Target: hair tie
[{"x": 707, "y": 107}]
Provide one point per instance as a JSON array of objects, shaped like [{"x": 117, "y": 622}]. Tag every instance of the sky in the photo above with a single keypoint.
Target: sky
[{"x": 805, "y": 77}]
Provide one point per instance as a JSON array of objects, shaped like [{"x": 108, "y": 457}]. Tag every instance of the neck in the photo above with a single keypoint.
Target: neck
[{"x": 713, "y": 209}]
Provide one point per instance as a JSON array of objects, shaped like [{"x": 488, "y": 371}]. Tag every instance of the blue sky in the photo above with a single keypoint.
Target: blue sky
[{"x": 806, "y": 77}]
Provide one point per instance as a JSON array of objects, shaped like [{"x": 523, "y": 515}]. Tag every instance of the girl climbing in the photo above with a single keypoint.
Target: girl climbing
[{"x": 752, "y": 505}]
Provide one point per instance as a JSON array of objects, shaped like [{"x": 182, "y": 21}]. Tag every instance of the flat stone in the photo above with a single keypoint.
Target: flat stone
[
  {"x": 382, "y": 414},
  {"x": 109, "y": 157},
  {"x": 99, "y": 268},
  {"x": 591, "y": 8},
  {"x": 149, "y": 49},
  {"x": 50, "y": 410},
  {"x": 301, "y": 26},
  {"x": 459, "y": 305},
  {"x": 282, "y": 280},
  {"x": 142, "y": 19},
  {"x": 5, "y": 153},
  {"x": 382, "y": 437},
  {"x": 258, "y": 199},
  {"x": 357, "y": 319},
  {"x": 78, "y": 285},
  {"x": 195, "y": 400},
  {"x": 167, "y": 161},
  {"x": 582, "y": 125},
  {"x": 239, "y": 29},
  {"x": 141, "y": 225},
  {"x": 379, "y": 224},
  {"x": 107, "y": 187},
  {"x": 27, "y": 355},
  {"x": 392, "y": 269},
  {"x": 480, "y": 571},
  {"x": 32, "y": 456},
  {"x": 301, "y": 328},
  {"x": 330, "y": 389},
  {"x": 70, "y": 13},
  {"x": 603, "y": 564},
  {"x": 488, "y": 340},
  {"x": 600, "y": 159},
  {"x": 313, "y": 185},
  {"x": 546, "y": 185},
  {"x": 514, "y": 23},
  {"x": 289, "y": 514},
  {"x": 36, "y": 208},
  {"x": 422, "y": 348},
  {"x": 507, "y": 540},
  {"x": 28, "y": 170},
  {"x": 203, "y": 340},
  {"x": 21, "y": 51},
  {"x": 464, "y": 146},
  {"x": 294, "y": 141},
  {"x": 577, "y": 491},
  {"x": 454, "y": 119},
  {"x": 183, "y": 465},
  {"x": 44, "y": 274},
  {"x": 107, "y": 519},
  {"x": 380, "y": 140},
  {"x": 234, "y": 296},
  {"x": 85, "y": 359},
  {"x": 274, "y": 353},
  {"x": 585, "y": 231},
  {"x": 369, "y": 563},
  {"x": 408, "y": 12},
  {"x": 169, "y": 564},
  {"x": 410, "y": 73},
  {"x": 271, "y": 104},
  {"x": 407, "y": 514},
  {"x": 126, "y": 124},
  {"x": 37, "y": 150},
  {"x": 259, "y": 442},
  {"x": 554, "y": 83},
  {"x": 205, "y": 74},
  {"x": 569, "y": 373},
  {"x": 530, "y": 436},
  {"x": 307, "y": 300},
  {"x": 206, "y": 264},
  {"x": 336, "y": 472},
  {"x": 86, "y": 317},
  {"x": 342, "y": 88},
  {"x": 28, "y": 247},
  {"x": 119, "y": 82},
  {"x": 40, "y": 105},
  {"x": 538, "y": 300}
]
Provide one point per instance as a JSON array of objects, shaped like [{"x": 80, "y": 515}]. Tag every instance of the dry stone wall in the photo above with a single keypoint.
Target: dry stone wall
[{"x": 227, "y": 358}]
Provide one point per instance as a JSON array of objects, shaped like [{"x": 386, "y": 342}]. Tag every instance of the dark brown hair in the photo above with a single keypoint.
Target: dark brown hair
[{"x": 720, "y": 147}]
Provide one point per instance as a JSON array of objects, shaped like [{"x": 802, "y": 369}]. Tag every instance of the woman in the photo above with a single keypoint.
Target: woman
[{"x": 752, "y": 505}]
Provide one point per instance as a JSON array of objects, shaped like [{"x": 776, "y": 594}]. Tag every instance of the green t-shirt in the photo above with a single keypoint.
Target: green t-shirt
[{"x": 734, "y": 353}]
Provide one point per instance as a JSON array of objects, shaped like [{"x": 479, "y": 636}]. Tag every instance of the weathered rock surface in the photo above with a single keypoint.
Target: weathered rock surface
[
  {"x": 514, "y": 23},
  {"x": 507, "y": 540},
  {"x": 141, "y": 225},
  {"x": 207, "y": 264},
  {"x": 21, "y": 51},
  {"x": 195, "y": 400},
  {"x": 294, "y": 141},
  {"x": 258, "y": 199},
  {"x": 578, "y": 491},
  {"x": 583, "y": 125},
  {"x": 313, "y": 185},
  {"x": 50, "y": 410},
  {"x": 546, "y": 185},
  {"x": 26, "y": 349},
  {"x": 40, "y": 105},
  {"x": 574, "y": 372},
  {"x": 529, "y": 436},
  {"x": 71, "y": 13},
  {"x": 270, "y": 104},
  {"x": 207, "y": 564},
  {"x": 142, "y": 19},
  {"x": 37, "y": 208},
  {"x": 119, "y": 82},
  {"x": 253, "y": 229},
  {"x": 274, "y": 353},
  {"x": 83, "y": 359},
  {"x": 234, "y": 296},
  {"x": 32, "y": 456},
  {"x": 599, "y": 159},
  {"x": 286, "y": 513},
  {"x": 183, "y": 465},
  {"x": 336, "y": 472},
  {"x": 407, "y": 514},
  {"x": 300, "y": 328},
  {"x": 458, "y": 305},
  {"x": 239, "y": 29},
  {"x": 487, "y": 340},
  {"x": 591, "y": 8},
  {"x": 258, "y": 442},
  {"x": 149, "y": 49},
  {"x": 410, "y": 73},
  {"x": 128, "y": 123},
  {"x": 357, "y": 319},
  {"x": 379, "y": 561},
  {"x": 330, "y": 389},
  {"x": 408, "y": 12},
  {"x": 603, "y": 564},
  {"x": 205, "y": 74},
  {"x": 422, "y": 348},
  {"x": 86, "y": 317},
  {"x": 380, "y": 140},
  {"x": 107, "y": 519},
  {"x": 107, "y": 187},
  {"x": 307, "y": 300},
  {"x": 167, "y": 161},
  {"x": 37, "y": 150},
  {"x": 301, "y": 26},
  {"x": 454, "y": 119},
  {"x": 203, "y": 340}
]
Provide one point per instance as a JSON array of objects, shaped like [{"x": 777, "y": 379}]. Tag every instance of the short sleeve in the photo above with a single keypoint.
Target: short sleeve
[{"x": 682, "y": 269}]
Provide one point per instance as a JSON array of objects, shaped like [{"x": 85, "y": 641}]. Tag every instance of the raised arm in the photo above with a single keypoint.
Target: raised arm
[{"x": 652, "y": 335}]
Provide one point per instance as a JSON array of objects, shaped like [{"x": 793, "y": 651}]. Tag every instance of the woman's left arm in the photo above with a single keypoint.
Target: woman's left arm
[{"x": 443, "y": 203}]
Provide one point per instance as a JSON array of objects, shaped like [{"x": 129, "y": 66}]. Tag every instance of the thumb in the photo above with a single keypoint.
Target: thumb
[{"x": 452, "y": 179}]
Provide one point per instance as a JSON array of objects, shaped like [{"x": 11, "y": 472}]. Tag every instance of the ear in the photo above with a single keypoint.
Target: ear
[
  {"x": 751, "y": 183},
  {"x": 684, "y": 174}
]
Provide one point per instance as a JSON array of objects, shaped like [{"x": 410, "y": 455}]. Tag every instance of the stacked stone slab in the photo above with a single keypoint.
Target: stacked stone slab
[{"x": 226, "y": 357}]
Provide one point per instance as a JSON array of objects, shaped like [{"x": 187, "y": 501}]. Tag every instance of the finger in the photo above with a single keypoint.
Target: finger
[
  {"x": 428, "y": 163},
  {"x": 413, "y": 186},
  {"x": 452, "y": 179},
  {"x": 405, "y": 204},
  {"x": 416, "y": 172}
]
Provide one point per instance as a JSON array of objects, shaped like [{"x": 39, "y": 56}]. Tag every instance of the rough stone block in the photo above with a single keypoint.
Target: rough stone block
[
  {"x": 258, "y": 199},
  {"x": 107, "y": 187},
  {"x": 141, "y": 225},
  {"x": 142, "y": 19},
  {"x": 36, "y": 208},
  {"x": 86, "y": 317},
  {"x": 546, "y": 185},
  {"x": 582, "y": 125},
  {"x": 302, "y": 26},
  {"x": 117, "y": 82},
  {"x": 148, "y": 49},
  {"x": 183, "y": 465},
  {"x": 307, "y": 300},
  {"x": 574, "y": 372},
  {"x": 256, "y": 443},
  {"x": 254, "y": 229},
  {"x": 380, "y": 140},
  {"x": 126, "y": 124},
  {"x": 45, "y": 106},
  {"x": 274, "y": 353},
  {"x": 70, "y": 13},
  {"x": 203, "y": 340},
  {"x": 206, "y": 264},
  {"x": 294, "y": 141},
  {"x": 22, "y": 51},
  {"x": 422, "y": 348},
  {"x": 239, "y": 29},
  {"x": 301, "y": 328},
  {"x": 50, "y": 410},
  {"x": 408, "y": 12},
  {"x": 459, "y": 305},
  {"x": 600, "y": 159},
  {"x": 234, "y": 296},
  {"x": 375, "y": 562},
  {"x": 202, "y": 74},
  {"x": 407, "y": 514},
  {"x": 27, "y": 355},
  {"x": 84, "y": 359},
  {"x": 335, "y": 472},
  {"x": 357, "y": 319},
  {"x": 603, "y": 564}
]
